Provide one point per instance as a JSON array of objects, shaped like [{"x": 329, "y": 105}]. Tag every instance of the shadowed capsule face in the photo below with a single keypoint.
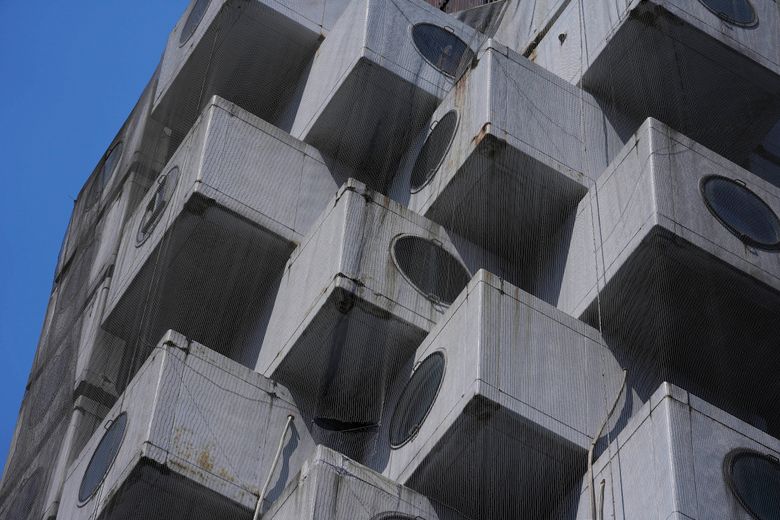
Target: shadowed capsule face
[{"x": 22, "y": 504}]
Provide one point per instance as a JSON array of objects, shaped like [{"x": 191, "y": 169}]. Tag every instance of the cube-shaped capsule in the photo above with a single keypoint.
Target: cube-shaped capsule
[
  {"x": 110, "y": 224},
  {"x": 194, "y": 435},
  {"x": 508, "y": 154},
  {"x": 249, "y": 52},
  {"x": 86, "y": 415},
  {"x": 497, "y": 417},
  {"x": 484, "y": 17},
  {"x": 357, "y": 297},
  {"x": 70, "y": 294},
  {"x": 55, "y": 392},
  {"x": 23, "y": 494},
  {"x": 707, "y": 68},
  {"x": 113, "y": 189},
  {"x": 99, "y": 355},
  {"x": 78, "y": 296},
  {"x": 332, "y": 487},
  {"x": 681, "y": 457},
  {"x": 216, "y": 228},
  {"x": 44, "y": 412},
  {"x": 523, "y": 24},
  {"x": 377, "y": 78},
  {"x": 676, "y": 253}
]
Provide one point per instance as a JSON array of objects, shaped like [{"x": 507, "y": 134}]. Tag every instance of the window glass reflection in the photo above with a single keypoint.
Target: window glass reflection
[
  {"x": 755, "y": 479},
  {"x": 416, "y": 400},
  {"x": 742, "y": 212},
  {"x": 737, "y": 12},
  {"x": 433, "y": 151},
  {"x": 441, "y": 48}
]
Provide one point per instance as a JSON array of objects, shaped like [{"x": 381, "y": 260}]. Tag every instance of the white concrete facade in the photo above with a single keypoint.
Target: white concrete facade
[{"x": 515, "y": 261}]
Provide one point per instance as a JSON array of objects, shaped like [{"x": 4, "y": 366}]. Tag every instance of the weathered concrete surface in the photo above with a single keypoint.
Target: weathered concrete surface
[
  {"x": 201, "y": 435},
  {"x": 350, "y": 306},
  {"x": 670, "y": 461},
  {"x": 525, "y": 389}
]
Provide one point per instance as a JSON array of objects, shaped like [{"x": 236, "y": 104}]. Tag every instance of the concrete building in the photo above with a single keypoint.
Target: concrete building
[{"x": 402, "y": 260}]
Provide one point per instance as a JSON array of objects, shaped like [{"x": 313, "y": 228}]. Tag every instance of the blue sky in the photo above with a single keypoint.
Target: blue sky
[{"x": 71, "y": 72}]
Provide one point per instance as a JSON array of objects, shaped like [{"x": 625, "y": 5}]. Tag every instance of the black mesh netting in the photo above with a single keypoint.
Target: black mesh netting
[{"x": 399, "y": 260}]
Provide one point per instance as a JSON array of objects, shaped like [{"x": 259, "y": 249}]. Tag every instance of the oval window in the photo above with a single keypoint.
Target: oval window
[
  {"x": 754, "y": 479},
  {"x": 416, "y": 400},
  {"x": 430, "y": 268},
  {"x": 441, "y": 48},
  {"x": 433, "y": 151},
  {"x": 742, "y": 212},
  {"x": 102, "y": 458},
  {"x": 193, "y": 20},
  {"x": 395, "y": 515},
  {"x": 111, "y": 163},
  {"x": 107, "y": 169},
  {"x": 157, "y": 204},
  {"x": 736, "y": 12}
]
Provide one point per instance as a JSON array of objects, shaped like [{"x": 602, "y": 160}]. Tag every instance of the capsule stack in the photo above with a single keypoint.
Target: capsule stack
[{"x": 397, "y": 260}]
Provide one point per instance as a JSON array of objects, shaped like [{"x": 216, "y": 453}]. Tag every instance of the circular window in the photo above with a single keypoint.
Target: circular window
[
  {"x": 754, "y": 478},
  {"x": 103, "y": 457},
  {"x": 193, "y": 20},
  {"x": 395, "y": 515},
  {"x": 736, "y": 12},
  {"x": 433, "y": 151},
  {"x": 416, "y": 400},
  {"x": 157, "y": 204},
  {"x": 441, "y": 48},
  {"x": 742, "y": 212},
  {"x": 107, "y": 168},
  {"x": 111, "y": 163},
  {"x": 430, "y": 268}
]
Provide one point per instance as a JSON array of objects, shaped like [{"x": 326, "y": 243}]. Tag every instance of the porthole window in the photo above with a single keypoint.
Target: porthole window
[
  {"x": 394, "y": 515},
  {"x": 193, "y": 20},
  {"x": 111, "y": 163},
  {"x": 441, "y": 48},
  {"x": 416, "y": 400},
  {"x": 430, "y": 268},
  {"x": 742, "y": 212},
  {"x": 754, "y": 478},
  {"x": 433, "y": 151},
  {"x": 103, "y": 458},
  {"x": 157, "y": 204},
  {"x": 107, "y": 168},
  {"x": 735, "y": 12}
]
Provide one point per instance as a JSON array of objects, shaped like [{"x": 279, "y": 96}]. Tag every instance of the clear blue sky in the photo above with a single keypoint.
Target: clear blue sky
[{"x": 70, "y": 72}]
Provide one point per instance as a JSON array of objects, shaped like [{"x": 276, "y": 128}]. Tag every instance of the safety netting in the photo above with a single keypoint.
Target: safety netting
[{"x": 402, "y": 260}]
